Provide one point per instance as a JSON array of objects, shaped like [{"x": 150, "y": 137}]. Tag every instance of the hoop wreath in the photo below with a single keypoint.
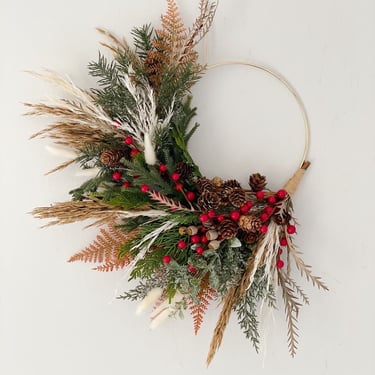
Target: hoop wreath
[{"x": 187, "y": 239}]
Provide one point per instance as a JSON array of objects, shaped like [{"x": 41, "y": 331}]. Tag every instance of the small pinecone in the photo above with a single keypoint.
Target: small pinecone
[
  {"x": 249, "y": 223},
  {"x": 185, "y": 170},
  {"x": 237, "y": 197},
  {"x": 227, "y": 229},
  {"x": 231, "y": 184},
  {"x": 251, "y": 237},
  {"x": 204, "y": 184},
  {"x": 208, "y": 200},
  {"x": 257, "y": 182},
  {"x": 281, "y": 219},
  {"x": 112, "y": 158}
]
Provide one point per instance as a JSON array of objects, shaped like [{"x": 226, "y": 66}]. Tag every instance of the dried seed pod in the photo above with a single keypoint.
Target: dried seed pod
[
  {"x": 214, "y": 245},
  {"x": 208, "y": 200},
  {"x": 237, "y": 197},
  {"x": 227, "y": 229},
  {"x": 249, "y": 223},
  {"x": 182, "y": 231},
  {"x": 192, "y": 230},
  {"x": 217, "y": 181},
  {"x": 212, "y": 235},
  {"x": 257, "y": 182},
  {"x": 112, "y": 158}
]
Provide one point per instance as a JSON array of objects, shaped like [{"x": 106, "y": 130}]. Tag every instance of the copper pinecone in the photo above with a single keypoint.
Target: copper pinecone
[
  {"x": 208, "y": 200},
  {"x": 185, "y": 170},
  {"x": 281, "y": 219},
  {"x": 231, "y": 184},
  {"x": 251, "y": 237},
  {"x": 249, "y": 223},
  {"x": 237, "y": 197},
  {"x": 112, "y": 158},
  {"x": 227, "y": 229},
  {"x": 204, "y": 184},
  {"x": 257, "y": 182}
]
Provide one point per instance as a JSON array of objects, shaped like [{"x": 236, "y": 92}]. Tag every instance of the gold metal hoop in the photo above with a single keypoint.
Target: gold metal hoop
[{"x": 304, "y": 163}]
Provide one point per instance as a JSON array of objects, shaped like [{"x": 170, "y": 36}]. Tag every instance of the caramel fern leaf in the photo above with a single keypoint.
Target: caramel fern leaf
[
  {"x": 198, "y": 310},
  {"x": 106, "y": 250}
]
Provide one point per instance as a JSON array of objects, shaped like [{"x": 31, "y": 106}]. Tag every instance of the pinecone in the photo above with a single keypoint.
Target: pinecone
[
  {"x": 251, "y": 237},
  {"x": 231, "y": 184},
  {"x": 112, "y": 158},
  {"x": 208, "y": 200},
  {"x": 257, "y": 182},
  {"x": 237, "y": 197},
  {"x": 249, "y": 223},
  {"x": 227, "y": 229},
  {"x": 185, "y": 170},
  {"x": 281, "y": 219},
  {"x": 204, "y": 184}
]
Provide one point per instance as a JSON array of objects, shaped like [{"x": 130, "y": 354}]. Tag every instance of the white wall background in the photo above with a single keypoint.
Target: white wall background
[{"x": 55, "y": 317}]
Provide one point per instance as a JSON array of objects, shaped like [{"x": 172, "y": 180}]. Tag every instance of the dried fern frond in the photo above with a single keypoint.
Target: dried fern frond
[
  {"x": 106, "y": 250},
  {"x": 205, "y": 296},
  {"x": 70, "y": 212},
  {"x": 116, "y": 44},
  {"x": 163, "y": 200},
  {"x": 203, "y": 22},
  {"x": 291, "y": 310},
  {"x": 305, "y": 269}
]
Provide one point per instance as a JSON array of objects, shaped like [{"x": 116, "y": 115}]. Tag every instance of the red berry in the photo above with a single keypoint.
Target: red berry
[
  {"x": 116, "y": 176},
  {"x": 220, "y": 218},
  {"x": 145, "y": 188},
  {"x": 260, "y": 194},
  {"x": 244, "y": 209},
  {"x": 128, "y": 140},
  {"x": 203, "y": 229},
  {"x": 211, "y": 214},
  {"x": 280, "y": 251},
  {"x": 280, "y": 264},
  {"x": 175, "y": 176},
  {"x": 166, "y": 259},
  {"x": 283, "y": 241},
  {"x": 195, "y": 238},
  {"x": 235, "y": 215},
  {"x": 179, "y": 186},
  {"x": 191, "y": 268},
  {"x": 268, "y": 210},
  {"x": 203, "y": 218},
  {"x": 162, "y": 168},
  {"x": 271, "y": 200},
  {"x": 181, "y": 244},
  {"x": 264, "y": 217},
  {"x": 249, "y": 204},
  {"x": 264, "y": 229},
  {"x": 291, "y": 229},
  {"x": 134, "y": 152},
  {"x": 199, "y": 250},
  {"x": 126, "y": 184},
  {"x": 205, "y": 240},
  {"x": 190, "y": 195},
  {"x": 281, "y": 194}
]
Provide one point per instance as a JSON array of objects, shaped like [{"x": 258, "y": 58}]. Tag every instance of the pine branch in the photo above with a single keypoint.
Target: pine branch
[
  {"x": 142, "y": 38},
  {"x": 291, "y": 310},
  {"x": 198, "y": 309},
  {"x": 163, "y": 200}
]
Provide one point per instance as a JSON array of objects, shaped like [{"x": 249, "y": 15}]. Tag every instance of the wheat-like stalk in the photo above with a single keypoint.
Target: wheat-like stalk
[{"x": 163, "y": 200}]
